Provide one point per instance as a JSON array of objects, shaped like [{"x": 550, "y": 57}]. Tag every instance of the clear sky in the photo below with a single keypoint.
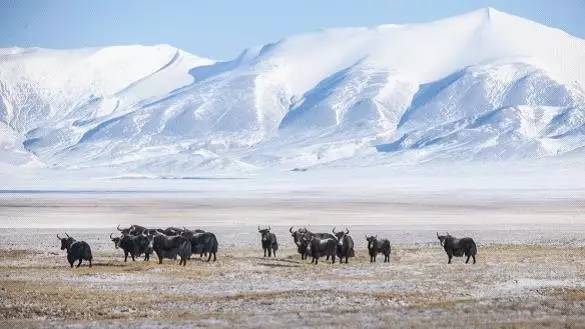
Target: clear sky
[{"x": 220, "y": 29}]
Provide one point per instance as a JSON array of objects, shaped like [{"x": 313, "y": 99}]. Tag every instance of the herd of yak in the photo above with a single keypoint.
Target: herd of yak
[{"x": 182, "y": 243}]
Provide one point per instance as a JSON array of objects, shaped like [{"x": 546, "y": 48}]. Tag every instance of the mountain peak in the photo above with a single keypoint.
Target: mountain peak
[{"x": 304, "y": 100}]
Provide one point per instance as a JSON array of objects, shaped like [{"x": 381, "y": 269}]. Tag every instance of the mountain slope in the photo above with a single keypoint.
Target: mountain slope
[{"x": 484, "y": 85}]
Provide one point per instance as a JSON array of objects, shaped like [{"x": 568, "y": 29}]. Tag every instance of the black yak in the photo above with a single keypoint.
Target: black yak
[
  {"x": 458, "y": 247},
  {"x": 76, "y": 250},
  {"x": 376, "y": 247}
]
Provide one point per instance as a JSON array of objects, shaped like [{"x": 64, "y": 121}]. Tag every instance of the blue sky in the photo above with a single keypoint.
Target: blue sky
[{"x": 220, "y": 29}]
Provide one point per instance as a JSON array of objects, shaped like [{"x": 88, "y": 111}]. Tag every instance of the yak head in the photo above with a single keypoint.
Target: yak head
[
  {"x": 340, "y": 235},
  {"x": 304, "y": 242},
  {"x": 125, "y": 231},
  {"x": 372, "y": 239},
  {"x": 66, "y": 242},
  {"x": 264, "y": 232},
  {"x": 187, "y": 234},
  {"x": 298, "y": 234},
  {"x": 150, "y": 238},
  {"x": 443, "y": 238},
  {"x": 116, "y": 241}
]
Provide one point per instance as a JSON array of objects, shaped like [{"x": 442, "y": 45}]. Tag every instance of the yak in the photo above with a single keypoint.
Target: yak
[
  {"x": 135, "y": 245},
  {"x": 458, "y": 247},
  {"x": 184, "y": 250},
  {"x": 269, "y": 243},
  {"x": 76, "y": 250},
  {"x": 166, "y": 246},
  {"x": 376, "y": 247},
  {"x": 321, "y": 247},
  {"x": 345, "y": 245},
  {"x": 203, "y": 243},
  {"x": 303, "y": 232}
]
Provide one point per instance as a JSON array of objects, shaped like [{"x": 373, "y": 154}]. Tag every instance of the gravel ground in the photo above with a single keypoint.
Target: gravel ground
[
  {"x": 530, "y": 271},
  {"x": 532, "y": 283}
]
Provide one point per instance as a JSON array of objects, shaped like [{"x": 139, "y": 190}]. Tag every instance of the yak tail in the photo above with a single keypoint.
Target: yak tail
[
  {"x": 87, "y": 253},
  {"x": 275, "y": 246},
  {"x": 214, "y": 245},
  {"x": 473, "y": 249}
]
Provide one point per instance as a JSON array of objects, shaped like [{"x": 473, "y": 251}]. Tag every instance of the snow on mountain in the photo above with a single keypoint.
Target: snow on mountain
[{"x": 484, "y": 85}]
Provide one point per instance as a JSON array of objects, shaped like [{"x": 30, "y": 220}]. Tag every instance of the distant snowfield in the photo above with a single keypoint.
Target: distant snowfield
[
  {"x": 482, "y": 87},
  {"x": 530, "y": 180},
  {"x": 549, "y": 200}
]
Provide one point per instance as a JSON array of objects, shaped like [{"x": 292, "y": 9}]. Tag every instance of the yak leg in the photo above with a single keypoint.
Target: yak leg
[
  {"x": 71, "y": 263},
  {"x": 450, "y": 256},
  {"x": 269, "y": 252},
  {"x": 131, "y": 254},
  {"x": 79, "y": 264},
  {"x": 264, "y": 252},
  {"x": 209, "y": 258},
  {"x": 125, "y": 256},
  {"x": 467, "y": 260},
  {"x": 160, "y": 259},
  {"x": 90, "y": 262},
  {"x": 473, "y": 258}
]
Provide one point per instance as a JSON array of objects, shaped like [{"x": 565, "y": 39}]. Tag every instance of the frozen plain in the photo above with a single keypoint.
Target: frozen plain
[{"x": 528, "y": 221}]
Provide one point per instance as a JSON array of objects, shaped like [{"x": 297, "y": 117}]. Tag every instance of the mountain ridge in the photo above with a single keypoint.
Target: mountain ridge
[{"x": 334, "y": 96}]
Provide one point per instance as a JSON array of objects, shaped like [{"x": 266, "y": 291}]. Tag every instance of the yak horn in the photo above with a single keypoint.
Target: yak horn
[
  {"x": 437, "y": 234},
  {"x": 118, "y": 228},
  {"x": 290, "y": 229},
  {"x": 111, "y": 236},
  {"x": 366, "y": 236},
  {"x": 58, "y": 237},
  {"x": 258, "y": 228},
  {"x": 269, "y": 227},
  {"x": 67, "y": 235},
  {"x": 333, "y": 230},
  {"x": 346, "y": 231}
]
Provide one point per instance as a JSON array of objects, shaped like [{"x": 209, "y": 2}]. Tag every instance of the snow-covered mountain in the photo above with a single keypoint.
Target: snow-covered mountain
[{"x": 484, "y": 85}]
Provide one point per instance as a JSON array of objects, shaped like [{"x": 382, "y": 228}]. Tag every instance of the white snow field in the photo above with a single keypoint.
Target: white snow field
[{"x": 484, "y": 86}]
